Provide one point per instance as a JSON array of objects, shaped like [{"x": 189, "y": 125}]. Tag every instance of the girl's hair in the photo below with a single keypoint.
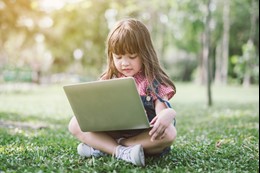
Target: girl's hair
[{"x": 131, "y": 36}]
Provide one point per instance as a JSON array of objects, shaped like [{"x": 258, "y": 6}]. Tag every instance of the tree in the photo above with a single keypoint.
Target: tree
[
  {"x": 249, "y": 52},
  {"x": 222, "y": 60},
  {"x": 83, "y": 29},
  {"x": 205, "y": 51},
  {"x": 18, "y": 30},
  {"x": 176, "y": 26}
]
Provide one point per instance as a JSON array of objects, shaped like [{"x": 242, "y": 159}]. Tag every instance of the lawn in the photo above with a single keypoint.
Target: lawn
[{"x": 221, "y": 138}]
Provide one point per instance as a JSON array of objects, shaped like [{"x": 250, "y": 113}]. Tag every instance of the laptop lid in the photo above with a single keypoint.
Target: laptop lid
[{"x": 107, "y": 105}]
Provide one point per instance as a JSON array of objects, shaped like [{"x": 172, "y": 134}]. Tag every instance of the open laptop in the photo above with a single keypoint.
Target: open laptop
[{"x": 107, "y": 105}]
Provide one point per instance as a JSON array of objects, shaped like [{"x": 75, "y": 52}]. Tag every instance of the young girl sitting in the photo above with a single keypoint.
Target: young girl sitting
[{"x": 130, "y": 52}]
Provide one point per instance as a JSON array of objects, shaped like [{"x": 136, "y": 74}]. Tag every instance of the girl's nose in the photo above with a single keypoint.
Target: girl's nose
[{"x": 125, "y": 62}]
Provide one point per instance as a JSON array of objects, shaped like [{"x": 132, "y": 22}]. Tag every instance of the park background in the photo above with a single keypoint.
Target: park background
[{"x": 209, "y": 48}]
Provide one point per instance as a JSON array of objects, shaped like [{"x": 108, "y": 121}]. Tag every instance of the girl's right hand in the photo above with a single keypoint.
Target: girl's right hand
[{"x": 160, "y": 123}]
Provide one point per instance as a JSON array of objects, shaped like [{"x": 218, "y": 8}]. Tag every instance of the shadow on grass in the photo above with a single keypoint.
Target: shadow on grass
[{"x": 29, "y": 120}]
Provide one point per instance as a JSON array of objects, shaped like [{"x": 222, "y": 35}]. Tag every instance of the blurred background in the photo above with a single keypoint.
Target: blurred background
[{"x": 57, "y": 41}]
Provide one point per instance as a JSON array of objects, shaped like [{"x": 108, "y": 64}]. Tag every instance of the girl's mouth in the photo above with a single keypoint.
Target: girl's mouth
[{"x": 127, "y": 70}]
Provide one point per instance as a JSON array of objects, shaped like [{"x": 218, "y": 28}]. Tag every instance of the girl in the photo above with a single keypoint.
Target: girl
[{"x": 130, "y": 52}]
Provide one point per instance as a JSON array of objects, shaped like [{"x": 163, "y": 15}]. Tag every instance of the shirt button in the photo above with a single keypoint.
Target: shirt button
[{"x": 148, "y": 98}]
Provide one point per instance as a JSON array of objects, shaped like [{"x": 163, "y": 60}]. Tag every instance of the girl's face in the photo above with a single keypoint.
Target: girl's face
[{"x": 128, "y": 64}]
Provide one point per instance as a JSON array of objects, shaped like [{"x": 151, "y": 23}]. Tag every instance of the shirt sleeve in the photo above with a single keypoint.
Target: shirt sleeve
[{"x": 165, "y": 91}]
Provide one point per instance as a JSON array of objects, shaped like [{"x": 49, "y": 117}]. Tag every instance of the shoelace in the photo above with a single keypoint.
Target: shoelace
[{"x": 124, "y": 153}]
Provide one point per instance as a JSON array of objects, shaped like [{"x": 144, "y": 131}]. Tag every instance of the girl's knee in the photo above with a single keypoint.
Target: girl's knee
[
  {"x": 171, "y": 135},
  {"x": 73, "y": 126}
]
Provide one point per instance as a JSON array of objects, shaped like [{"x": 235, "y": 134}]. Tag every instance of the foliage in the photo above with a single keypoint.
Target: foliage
[
  {"x": 18, "y": 74},
  {"x": 87, "y": 33},
  {"x": 46, "y": 39},
  {"x": 223, "y": 138},
  {"x": 248, "y": 63},
  {"x": 240, "y": 21},
  {"x": 182, "y": 68}
]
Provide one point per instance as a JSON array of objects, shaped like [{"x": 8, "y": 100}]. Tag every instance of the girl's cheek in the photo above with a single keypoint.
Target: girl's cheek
[{"x": 117, "y": 64}]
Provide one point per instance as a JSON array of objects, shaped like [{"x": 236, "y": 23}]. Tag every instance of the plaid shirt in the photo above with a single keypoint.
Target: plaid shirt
[{"x": 142, "y": 84}]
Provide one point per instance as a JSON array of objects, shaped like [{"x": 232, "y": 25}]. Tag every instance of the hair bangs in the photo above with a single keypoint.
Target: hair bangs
[{"x": 124, "y": 42}]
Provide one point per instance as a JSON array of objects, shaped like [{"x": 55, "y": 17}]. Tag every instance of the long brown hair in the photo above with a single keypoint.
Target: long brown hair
[{"x": 132, "y": 36}]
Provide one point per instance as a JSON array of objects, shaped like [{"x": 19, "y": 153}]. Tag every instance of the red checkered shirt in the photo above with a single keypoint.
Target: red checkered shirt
[{"x": 142, "y": 84}]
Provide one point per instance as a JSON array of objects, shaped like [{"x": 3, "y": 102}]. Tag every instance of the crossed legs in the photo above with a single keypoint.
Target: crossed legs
[{"x": 106, "y": 142}]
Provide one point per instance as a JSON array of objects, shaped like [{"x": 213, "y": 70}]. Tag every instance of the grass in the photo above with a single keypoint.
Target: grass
[{"x": 222, "y": 138}]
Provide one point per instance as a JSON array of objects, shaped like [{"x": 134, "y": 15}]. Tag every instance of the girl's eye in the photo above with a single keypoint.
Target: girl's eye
[
  {"x": 133, "y": 57},
  {"x": 118, "y": 57}
]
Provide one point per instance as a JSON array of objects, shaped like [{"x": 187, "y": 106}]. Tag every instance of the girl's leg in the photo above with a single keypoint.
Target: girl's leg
[
  {"x": 98, "y": 140},
  {"x": 106, "y": 143},
  {"x": 152, "y": 147}
]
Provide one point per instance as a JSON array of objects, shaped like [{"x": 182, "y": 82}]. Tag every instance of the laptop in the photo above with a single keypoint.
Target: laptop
[{"x": 107, "y": 105}]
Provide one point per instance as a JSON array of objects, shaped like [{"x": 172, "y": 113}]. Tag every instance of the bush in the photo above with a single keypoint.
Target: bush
[{"x": 17, "y": 74}]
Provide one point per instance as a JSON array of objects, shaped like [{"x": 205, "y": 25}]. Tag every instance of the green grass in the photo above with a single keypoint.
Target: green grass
[{"x": 222, "y": 138}]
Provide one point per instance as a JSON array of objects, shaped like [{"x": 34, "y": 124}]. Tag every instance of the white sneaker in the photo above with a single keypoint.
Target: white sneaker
[
  {"x": 87, "y": 151},
  {"x": 133, "y": 154}
]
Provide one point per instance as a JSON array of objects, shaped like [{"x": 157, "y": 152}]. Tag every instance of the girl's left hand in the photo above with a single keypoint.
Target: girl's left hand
[{"x": 160, "y": 123}]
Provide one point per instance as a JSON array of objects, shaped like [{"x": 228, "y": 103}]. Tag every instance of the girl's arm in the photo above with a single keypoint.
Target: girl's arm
[{"x": 163, "y": 119}]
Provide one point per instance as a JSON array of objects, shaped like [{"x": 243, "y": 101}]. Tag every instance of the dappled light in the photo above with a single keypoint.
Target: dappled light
[{"x": 52, "y": 37}]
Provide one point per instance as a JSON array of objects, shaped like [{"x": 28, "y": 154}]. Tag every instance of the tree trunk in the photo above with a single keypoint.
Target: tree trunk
[
  {"x": 218, "y": 63},
  {"x": 206, "y": 46},
  {"x": 254, "y": 17},
  {"x": 222, "y": 51},
  {"x": 225, "y": 48}
]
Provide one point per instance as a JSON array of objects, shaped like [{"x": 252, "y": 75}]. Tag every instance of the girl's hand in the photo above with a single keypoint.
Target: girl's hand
[{"x": 160, "y": 123}]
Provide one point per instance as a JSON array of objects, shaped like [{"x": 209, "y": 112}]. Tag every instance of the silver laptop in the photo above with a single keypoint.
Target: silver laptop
[{"x": 107, "y": 105}]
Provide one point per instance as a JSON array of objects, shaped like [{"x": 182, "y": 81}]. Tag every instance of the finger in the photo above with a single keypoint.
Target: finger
[
  {"x": 154, "y": 136},
  {"x": 153, "y": 120},
  {"x": 156, "y": 128},
  {"x": 153, "y": 133},
  {"x": 163, "y": 135},
  {"x": 153, "y": 130},
  {"x": 157, "y": 133}
]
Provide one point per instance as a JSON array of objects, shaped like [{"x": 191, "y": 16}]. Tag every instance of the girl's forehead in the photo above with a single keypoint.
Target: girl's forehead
[{"x": 126, "y": 54}]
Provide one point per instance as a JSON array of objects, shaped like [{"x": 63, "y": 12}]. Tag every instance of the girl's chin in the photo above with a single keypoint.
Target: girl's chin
[{"x": 128, "y": 74}]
